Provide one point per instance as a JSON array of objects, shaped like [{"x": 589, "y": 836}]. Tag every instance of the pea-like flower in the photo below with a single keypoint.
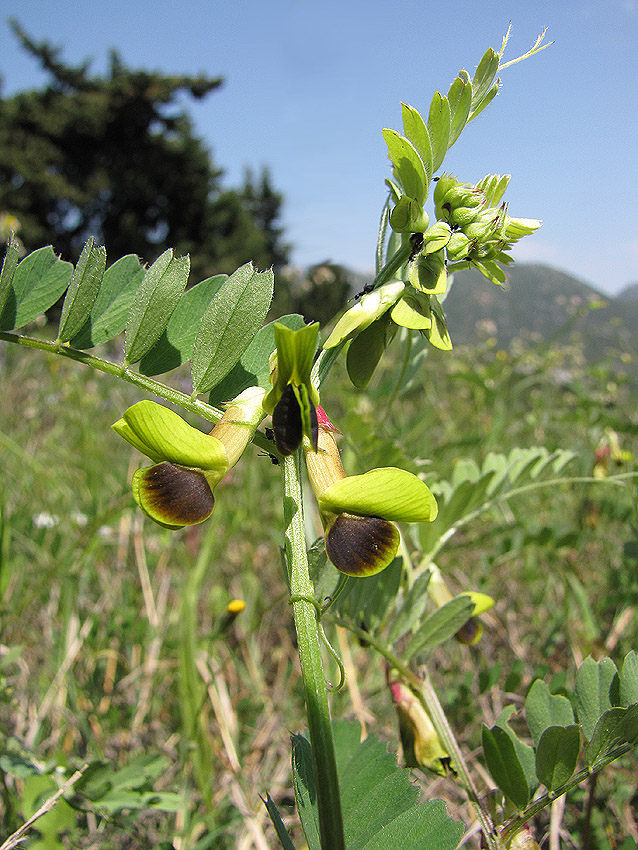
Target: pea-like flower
[
  {"x": 187, "y": 464},
  {"x": 359, "y": 511}
]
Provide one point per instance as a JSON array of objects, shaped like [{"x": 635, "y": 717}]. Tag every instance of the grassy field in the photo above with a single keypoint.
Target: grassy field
[{"x": 116, "y": 649}]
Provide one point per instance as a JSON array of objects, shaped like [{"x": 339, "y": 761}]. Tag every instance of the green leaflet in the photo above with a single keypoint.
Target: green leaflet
[
  {"x": 408, "y": 166},
  {"x": 544, "y": 709},
  {"x": 557, "y": 755},
  {"x": 9, "y": 265},
  {"x": 380, "y": 804},
  {"x": 411, "y": 612},
  {"x": 278, "y": 824},
  {"x": 175, "y": 346},
  {"x": 38, "y": 281},
  {"x": 229, "y": 324},
  {"x": 460, "y": 99},
  {"x": 440, "y": 626},
  {"x": 629, "y": 680},
  {"x": 253, "y": 368},
  {"x": 439, "y": 121},
  {"x": 108, "y": 315},
  {"x": 484, "y": 89},
  {"x": 365, "y": 351},
  {"x": 504, "y": 765},
  {"x": 154, "y": 302},
  {"x": 594, "y": 682},
  {"x": 415, "y": 129},
  {"x": 609, "y": 731},
  {"x": 83, "y": 289}
]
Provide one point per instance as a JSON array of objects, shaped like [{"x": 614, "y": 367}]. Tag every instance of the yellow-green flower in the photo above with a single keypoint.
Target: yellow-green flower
[
  {"x": 358, "y": 511},
  {"x": 188, "y": 464}
]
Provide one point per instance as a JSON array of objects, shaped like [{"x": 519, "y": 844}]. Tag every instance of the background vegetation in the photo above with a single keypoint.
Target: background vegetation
[{"x": 116, "y": 646}]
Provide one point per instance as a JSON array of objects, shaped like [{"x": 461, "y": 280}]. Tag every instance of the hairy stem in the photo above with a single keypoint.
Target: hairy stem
[
  {"x": 201, "y": 408},
  {"x": 314, "y": 683}
]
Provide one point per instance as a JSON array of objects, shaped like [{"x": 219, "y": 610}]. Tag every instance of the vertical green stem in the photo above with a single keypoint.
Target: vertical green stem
[{"x": 314, "y": 683}]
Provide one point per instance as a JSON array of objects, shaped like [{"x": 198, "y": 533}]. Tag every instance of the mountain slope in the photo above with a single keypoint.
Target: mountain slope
[{"x": 541, "y": 303}]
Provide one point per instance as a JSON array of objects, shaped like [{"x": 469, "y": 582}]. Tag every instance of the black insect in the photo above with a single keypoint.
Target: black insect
[
  {"x": 366, "y": 289},
  {"x": 287, "y": 424},
  {"x": 269, "y": 434}
]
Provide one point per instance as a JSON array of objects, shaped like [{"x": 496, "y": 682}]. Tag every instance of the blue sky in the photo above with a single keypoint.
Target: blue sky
[{"x": 309, "y": 86}]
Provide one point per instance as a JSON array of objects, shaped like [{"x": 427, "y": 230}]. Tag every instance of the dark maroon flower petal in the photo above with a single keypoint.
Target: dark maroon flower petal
[
  {"x": 173, "y": 495},
  {"x": 361, "y": 545}
]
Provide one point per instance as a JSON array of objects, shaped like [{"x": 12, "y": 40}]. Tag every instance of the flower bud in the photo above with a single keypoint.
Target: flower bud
[{"x": 421, "y": 744}]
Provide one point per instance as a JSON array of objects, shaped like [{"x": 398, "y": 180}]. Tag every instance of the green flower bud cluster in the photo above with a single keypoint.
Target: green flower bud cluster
[{"x": 481, "y": 230}]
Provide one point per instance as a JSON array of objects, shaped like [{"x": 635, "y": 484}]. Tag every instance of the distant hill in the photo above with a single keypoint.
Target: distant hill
[
  {"x": 542, "y": 303},
  {"x": 629, "y": 293}
]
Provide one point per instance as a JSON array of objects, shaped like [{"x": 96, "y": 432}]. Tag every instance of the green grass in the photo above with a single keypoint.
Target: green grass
[{"x": 114, "y": 646}]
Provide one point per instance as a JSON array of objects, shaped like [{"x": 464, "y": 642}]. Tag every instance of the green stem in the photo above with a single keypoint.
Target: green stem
[
  {"x": 314, "y": 683},
  {"x": 201, "y": 408}
]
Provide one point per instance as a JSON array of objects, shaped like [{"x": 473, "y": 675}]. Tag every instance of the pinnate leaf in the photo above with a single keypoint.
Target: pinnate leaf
[
  {"x": 157, "y": 297},
  {"x": 229, "y": 324},
  {"x": 38, "y": 281},
  {"x": 83, "y": 289}
]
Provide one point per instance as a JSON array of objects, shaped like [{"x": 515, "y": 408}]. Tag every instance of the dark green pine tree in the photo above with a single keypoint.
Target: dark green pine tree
[{"x": 116, "y": 157}]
